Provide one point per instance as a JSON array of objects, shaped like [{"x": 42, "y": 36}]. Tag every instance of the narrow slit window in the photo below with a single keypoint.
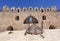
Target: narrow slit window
[
  {"x": 36, "y": 9},
  {"x": 24, "y": 9},
  {"x": 30, "y": 8},
  {"x": 42, "y": 10},
  {"x": 12, "y": 10},
  {"x": 18, "y": 10}
]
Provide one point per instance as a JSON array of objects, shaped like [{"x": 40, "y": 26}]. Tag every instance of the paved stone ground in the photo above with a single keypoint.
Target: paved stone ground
[{"x": 50, "y": 35}]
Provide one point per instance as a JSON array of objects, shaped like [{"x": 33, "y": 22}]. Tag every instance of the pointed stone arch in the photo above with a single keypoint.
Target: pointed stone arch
[
  {"x": 34, "y": 20},
  {"x": 10, "y": 28}
]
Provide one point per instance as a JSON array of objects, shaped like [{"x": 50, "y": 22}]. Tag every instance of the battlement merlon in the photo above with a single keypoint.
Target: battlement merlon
[{"x": 6, "y": 8}]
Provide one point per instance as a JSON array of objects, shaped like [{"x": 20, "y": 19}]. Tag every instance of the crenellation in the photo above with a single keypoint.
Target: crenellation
[
  {"x": 36, "y": 9},
  {"x": 48, "y": 9},
  {"x": 18, "y": 9},
  {"x": 5, "y": 8},
  {"x": 12, "y": 9},
  {"x": 42, "y": 9},
  {"x": 30, "y": 9},
  {"x": 24, "y": 9},
  {"x": 53, "y": 8}
]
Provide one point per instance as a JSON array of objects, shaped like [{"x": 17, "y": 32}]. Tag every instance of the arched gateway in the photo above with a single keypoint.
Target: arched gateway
[
  {"x": 30, "y": 19},
  {"x": 10, "y": 28},
  {"x": 51, "y": 27}
]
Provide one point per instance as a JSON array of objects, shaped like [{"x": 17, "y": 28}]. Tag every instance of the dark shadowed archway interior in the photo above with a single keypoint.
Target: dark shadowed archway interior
[
  {"x": 52, "y": 27},
  {"x": 43, "y": 17},
  {"x": 10, "y": 28},
  {"x": 30, "y": 19}
]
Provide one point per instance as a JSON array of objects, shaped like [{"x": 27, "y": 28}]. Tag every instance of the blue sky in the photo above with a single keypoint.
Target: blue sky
[{"x": 32, "y": 3}]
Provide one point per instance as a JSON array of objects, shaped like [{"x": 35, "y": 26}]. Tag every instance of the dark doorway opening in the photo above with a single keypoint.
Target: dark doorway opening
[
  {"x": 52, "y": 27},
  {"x": 10, "y": 28}
]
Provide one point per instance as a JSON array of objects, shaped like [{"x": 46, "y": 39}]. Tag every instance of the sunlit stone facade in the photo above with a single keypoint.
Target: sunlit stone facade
[{"x": 42, "y": 17}]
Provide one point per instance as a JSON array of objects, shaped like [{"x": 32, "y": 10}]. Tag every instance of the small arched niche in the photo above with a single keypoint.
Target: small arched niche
[
  {"x": 13, "y": 9},
  {"x": 47, "y": 9},
  {"x": 52, "y": 27},
  {"x": 42, "y": 9},
  {"x": 36, "y": 9},
  {"x": 30, "y": 9},
  {"x": 10, "y": 28},
  {"x": 24, "y": 9},
  {"x": 18, "y": 9}
]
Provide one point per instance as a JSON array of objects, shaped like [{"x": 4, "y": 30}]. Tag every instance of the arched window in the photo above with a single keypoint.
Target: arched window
[
  {"x": 17, "y": 18},
  {"x": 30, "y": 19},
  {"x": 10, "y": 28},
  {"x": 44, "y": 17},
  {"x": 51, "y": 27}
]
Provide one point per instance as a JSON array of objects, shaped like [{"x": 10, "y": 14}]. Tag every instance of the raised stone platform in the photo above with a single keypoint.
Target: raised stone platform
[{"x": 50, "y": 35}]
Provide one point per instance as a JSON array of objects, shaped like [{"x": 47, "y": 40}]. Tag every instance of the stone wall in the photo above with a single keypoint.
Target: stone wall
[{"x": 7, "y": 18}]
